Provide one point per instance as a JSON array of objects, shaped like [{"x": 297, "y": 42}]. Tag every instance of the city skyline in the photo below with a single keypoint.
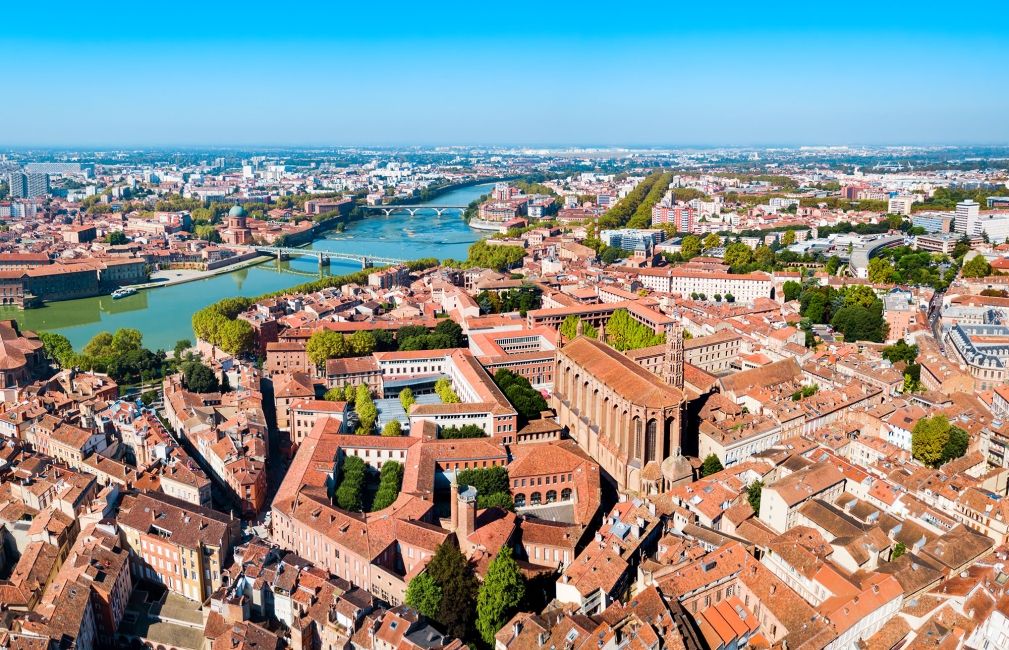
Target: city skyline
[{"x": 560, "y": 75}]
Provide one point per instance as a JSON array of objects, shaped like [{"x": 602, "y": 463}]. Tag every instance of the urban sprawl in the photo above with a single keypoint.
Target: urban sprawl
[{"x": 671, "y": 399}]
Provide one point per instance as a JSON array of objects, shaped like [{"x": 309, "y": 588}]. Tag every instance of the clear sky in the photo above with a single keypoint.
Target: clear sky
[{"x": 185, "y": 73}]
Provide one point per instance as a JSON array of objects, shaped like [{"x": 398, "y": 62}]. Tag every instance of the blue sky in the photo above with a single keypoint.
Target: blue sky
[{"x": 386, "y": 73}]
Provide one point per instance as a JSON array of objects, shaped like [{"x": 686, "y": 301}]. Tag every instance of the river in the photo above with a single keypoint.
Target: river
[{"x": 164, "y": 314}]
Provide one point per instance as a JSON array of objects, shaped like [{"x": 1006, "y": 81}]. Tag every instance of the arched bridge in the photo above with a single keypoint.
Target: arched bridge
[
  {"x": 324, "y": 257},
  {"x": 412, "y": 209}
]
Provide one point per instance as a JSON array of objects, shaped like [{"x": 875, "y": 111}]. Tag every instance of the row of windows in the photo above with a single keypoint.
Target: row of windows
[{"x": 536, "y": 498}]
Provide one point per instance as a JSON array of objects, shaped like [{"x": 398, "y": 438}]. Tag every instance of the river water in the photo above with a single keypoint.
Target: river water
[{"x": 164, "y": 314}]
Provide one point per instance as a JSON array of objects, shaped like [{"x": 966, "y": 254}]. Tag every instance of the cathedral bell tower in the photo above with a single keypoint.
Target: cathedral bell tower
[{"x": 672, "y": 367}]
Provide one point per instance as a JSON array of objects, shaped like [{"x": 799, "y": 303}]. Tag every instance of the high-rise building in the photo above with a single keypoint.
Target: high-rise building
[
  {"x": 38, "y": 185},
  {"x": 965, "y": 220},
  {"x": 17, "y": 185},
  {"x": 27, "y": 186}
]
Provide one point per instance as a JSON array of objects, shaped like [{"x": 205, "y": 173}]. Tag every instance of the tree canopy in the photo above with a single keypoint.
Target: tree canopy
[
  {"x": 934, "y": 441},
  {"x": 453, "y": 575},
  {"x": 711, "y": 465},
  {"x": 500, "y": 595}
]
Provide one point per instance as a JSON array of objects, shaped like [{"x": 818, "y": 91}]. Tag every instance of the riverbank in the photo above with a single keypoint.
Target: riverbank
[
  {"x": 165, "y": 316},
  {"x": 173, "y": 277}
]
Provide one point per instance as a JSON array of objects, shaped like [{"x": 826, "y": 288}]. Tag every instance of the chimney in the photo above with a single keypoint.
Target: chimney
[
  {"x": 454, "y": 504},
  {"x": 466, "y": 503}
]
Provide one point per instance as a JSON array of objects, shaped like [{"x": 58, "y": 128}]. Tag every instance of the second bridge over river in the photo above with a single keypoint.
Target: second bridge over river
[{"x": 324, "y": 257}]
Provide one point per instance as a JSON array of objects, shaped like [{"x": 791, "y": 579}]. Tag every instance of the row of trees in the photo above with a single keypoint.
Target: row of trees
[
  {"x": 521, "y": 300},
  {"x": 449, "y": 593},
  {"x": 121, "y": 354},
  {"x": 218, "y": 324},
  {"x": 489, "y": 256},
  {"x": 349, "y": 494},
  {"x": 462, "y": 431},
  {"x": 326, "y": 344},
  {"x": 621, "y": 213},
  {"x": 389, "y": 483},
  {"x": 527, "y": 400},
  {"x": 642, "y": 217}
]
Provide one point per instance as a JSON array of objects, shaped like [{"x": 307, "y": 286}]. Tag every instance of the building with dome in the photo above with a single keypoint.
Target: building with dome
[{"x": 238, "y": 231}]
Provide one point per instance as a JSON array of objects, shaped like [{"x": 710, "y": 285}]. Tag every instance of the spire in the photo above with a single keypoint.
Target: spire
[
  {"x": 580, "y": 328},
  {"x": 602, "y": 331}
]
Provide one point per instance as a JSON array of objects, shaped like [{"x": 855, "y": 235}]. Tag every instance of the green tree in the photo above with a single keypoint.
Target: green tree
[
  {"x": 976, "y": 267},
  {"x": 389, "y": 484},
  {"x": 753, "y": 492},
  {"x": 464, "y": 431},
  {"x": 610, "y": 255},
  {"x": 126, "y": 339},
  {"x": 833, "y": 265},
  {"x": 117, "y": 238},
  {"x": 407, "y": 399},
  {"x": 326, "y": 344},
  {"x": 788, "y": 238},
  {"x": 207, "y": 232},
  {"x": 500, "y": 595},
  {"x": 181, "y": 346},
  {"x": 367, "y": 412},
  {"x": 956, "y": 444},
  {"x": 569, "y": 328},
  {"x": 452, "y": 330},
  {"x": 236, "y": 337},
  {"x": 392, "y": 428},
  {"x": 900, "y": 351},
  {"x": 791, "y": 290},
  {"x": 712, "y": 241},
  {"x": 898, "y": 550},
  {"x": 737, "y": 254},
  {"x": 711, "y": 465},
  {"x": 690, "y": 247},
  {"x": 424, "y": 595},
  {"x": 100, "y": 345},
  {"x": 58, "y": 348},
  {"x": 880, "y": 271},
  {"x": 199, "y": 378},
  {"x": 929, "y": 438},
  {"x": 362, "y": 342},
  {"x": 334, "y": 394},
  {"x": 443, "y": 388},
  {"x": 860, "y": 296},
  {"x": 349, "y": 494},
  {"x": 625, "y": 333},
  {"x": 527, "y": 400},
  {"x": 452, "y": 573}
]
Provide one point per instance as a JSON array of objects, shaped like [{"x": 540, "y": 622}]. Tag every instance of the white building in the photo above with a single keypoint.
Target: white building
[
  {"x": 745, "y": 287},
  {"x": 965, "y": 216}
]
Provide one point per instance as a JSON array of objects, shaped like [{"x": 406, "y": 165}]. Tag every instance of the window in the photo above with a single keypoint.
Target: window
[
  {"x": 534, "y": 499},
  {"x": 565, "y": 494},
  {"x": 551, "y": 496},
  {"x": 520, "y": 500}
]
